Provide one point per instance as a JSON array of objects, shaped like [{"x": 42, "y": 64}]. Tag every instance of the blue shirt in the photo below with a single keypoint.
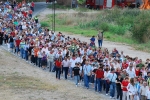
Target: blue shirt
[
  {"x": 92, "y": 39},
  {"x": 112, "y": 77},
  {"x": 87, "y": 69}
]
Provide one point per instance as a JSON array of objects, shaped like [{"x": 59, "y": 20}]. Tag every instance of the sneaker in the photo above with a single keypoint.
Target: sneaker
[
  {"x": 110, "y": 97},
  {"x": 113, "y": 97},
  {"x": 106, "y": 94},
  {"x": 76, "y": 85}
]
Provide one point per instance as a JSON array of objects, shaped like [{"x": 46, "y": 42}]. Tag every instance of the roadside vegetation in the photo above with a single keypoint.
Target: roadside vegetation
[{"x": 130, "y": 26}]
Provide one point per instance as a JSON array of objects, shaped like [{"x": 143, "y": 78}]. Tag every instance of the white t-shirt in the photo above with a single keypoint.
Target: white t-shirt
[
  {"x": 143, "y": 90},
  {"x": 131, "y": 74},
  {"x": 73, "y": 62},
  {"x": 131, "y": 89},
  {"x": 147, "y": 94}
]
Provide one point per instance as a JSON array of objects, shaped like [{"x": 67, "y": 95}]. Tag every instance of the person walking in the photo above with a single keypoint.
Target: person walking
[
  {"x": 50, "y": 60},
  {"x": 44, "y": 60},
  {"x": 87, "y": 70},
  {"x": 65, "y": 64},
  {"x": 112, "y": 78},
  {"x": 39, "y": 57},
  {"x": 72, "y": 64},
  {"x": 124, "y": 85},
  {"x": 132, "y": 89},
  {"x": 1, "y": 37},
  {"x": 58, "y": 64},
  {"x": 119, "y": 79},
  {"x": 143, "y": 90},
  {"x": 147, "y": 94},
  {"x": 100, "y": 39},
  {"x": 99, "y": 75},
  {"x": 76, "y": 73},
  {"x": 21, "y": 46}
]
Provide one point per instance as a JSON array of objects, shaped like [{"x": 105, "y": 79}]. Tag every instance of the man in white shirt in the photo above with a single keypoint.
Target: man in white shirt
[
  {"x": 116, "y": 64},
  {"x": 65, "y": 64},
  {"x": 143, "y": 90},
  {"x": 130, "y": 72},
  {"x": 147, "y": 94},
  {"x": 50, "y": 58},
  {"x": 73, "y": 61}
]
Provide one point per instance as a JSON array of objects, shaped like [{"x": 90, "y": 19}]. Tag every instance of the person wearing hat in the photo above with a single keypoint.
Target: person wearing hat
[{"x": 112, "y": 78}]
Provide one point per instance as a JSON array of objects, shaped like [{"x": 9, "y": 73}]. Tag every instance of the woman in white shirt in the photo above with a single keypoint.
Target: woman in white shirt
[{"x": 132, "y": 89}]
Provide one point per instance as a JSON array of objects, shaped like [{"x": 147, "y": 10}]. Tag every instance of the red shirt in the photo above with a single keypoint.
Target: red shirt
[
  {"x": 13, "y": 34},
  {"x": 24, "y": 14},
  {"x": 125, "y": 84},
  {"x": 137, "y": 72},
  {"x": 124, "y": 65},
  {"x": 99, "y": 74},
  {"x": 32, "y": 4},
  {"x": 18, "y": 43},
  {"x": 58, "y": 63},
  {"x": 30, "y": 11}
]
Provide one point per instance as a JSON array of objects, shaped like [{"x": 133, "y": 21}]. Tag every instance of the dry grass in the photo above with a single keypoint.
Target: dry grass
[
  {"x": 77, "y": 18},
  {"x": 23, "y": 82}
]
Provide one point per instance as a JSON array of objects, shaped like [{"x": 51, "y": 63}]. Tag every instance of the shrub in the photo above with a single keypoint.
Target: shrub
[
  {"x": 141, "y": 27},
  {"x": 116, "y": 29},
  {"x": 104, "y": 26},
  {"x": 44, "y": 24}
]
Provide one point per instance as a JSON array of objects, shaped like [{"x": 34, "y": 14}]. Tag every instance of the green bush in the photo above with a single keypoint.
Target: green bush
[
  {"x": 116, "y": 29},
  {"x": 141, "y": 27},
  {"x": 104, "y": 26},
  {"x": 44, "y": 24}
]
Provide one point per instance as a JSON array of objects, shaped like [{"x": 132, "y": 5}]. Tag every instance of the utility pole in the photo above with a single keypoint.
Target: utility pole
[{"x": 53, "y": 15}]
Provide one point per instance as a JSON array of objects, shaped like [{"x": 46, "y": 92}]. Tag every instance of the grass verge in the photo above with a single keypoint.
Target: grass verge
[{"x": 87, "y": 24}]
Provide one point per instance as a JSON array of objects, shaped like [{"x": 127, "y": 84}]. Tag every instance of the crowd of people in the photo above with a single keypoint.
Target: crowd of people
[{"x": 97, "y": 67}]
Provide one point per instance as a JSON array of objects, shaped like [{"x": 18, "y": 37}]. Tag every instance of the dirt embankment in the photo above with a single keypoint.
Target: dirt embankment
[{"x": 21, "y": 81}]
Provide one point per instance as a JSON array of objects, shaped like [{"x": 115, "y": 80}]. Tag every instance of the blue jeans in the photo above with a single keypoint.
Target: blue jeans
[
  {"x": 71, "y": 71},
  {"x": 17, "y": 50},
  {"x": 112, "y": 89},
  {"x": 58, "y": 72},
  {"x": 106, "y": 86},
  {"x": 51, "y": 64},
  {"x": 66, "y": 71},
  {"x": 39, "y": 61},
  {"x": 76, "y": 79},
  {"x": 100, "y": 43},
  {"x": 86, "y": 81},
  {"x": 26, "y": 54},
  {"x": 98, "y": 83},
  {"x": 22, "y": 53}
]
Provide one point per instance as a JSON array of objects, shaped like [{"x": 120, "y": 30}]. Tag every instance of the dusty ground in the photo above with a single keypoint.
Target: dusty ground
[
  {"x": 21, "y": 81},
  {"x": 128, "y": 50}
]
